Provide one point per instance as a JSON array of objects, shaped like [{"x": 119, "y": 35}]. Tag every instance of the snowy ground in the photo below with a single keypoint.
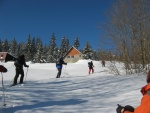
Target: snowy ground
[{"x": 74, "y": 92}]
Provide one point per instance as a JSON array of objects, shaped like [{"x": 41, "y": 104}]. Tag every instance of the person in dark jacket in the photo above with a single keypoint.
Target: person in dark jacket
[
  {"x": 59, "y": 65},
  {"x": 103, "y": 63},
  {"x": 19, "y": 63},
  {"x": 90, "y": 65}
]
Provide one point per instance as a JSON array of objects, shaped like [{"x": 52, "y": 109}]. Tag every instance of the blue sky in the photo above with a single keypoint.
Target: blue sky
[{"x": 41, "y": 18}]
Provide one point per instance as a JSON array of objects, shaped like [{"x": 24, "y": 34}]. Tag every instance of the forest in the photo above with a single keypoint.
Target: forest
[{"x": 35, "y": 51}]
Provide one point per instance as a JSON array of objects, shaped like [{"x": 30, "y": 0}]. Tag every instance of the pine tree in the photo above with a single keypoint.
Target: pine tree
[
  {"x": 44, "y": 52},
  {"x": 0, "y": 45},
  {"x": 63, "y": 47},
  {"x": 56, "y": 54},
  {"x": 88, "y": 53},
  {"x": 28, "y": 49},
  {"x": 5, "y": 46},
  {"x": 33, "y": 49},
  {"x": 51, "y": 51},
  {"x": 76, "y": 43},
  {"x": 39, "y": 47},
  {"x": 13, "y": 47}
]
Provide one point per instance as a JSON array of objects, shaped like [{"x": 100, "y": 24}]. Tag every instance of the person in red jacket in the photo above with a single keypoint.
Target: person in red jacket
[{"x": 144, "y": 107}]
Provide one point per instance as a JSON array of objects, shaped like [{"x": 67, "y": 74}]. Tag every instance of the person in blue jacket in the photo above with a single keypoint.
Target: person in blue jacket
[{"x": 59, "y": 65}]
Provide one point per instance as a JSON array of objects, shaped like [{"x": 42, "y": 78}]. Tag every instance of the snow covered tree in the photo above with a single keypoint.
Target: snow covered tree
[
  {"x": 51, "y": 51},
  {"x": 44, "y": 53},
  {"x": 63, "y": 47},
  {"x": 67, "y": 44},
  {"x": 5, "y": 46},
  {"x": 38, "y": 53},
  {"x": 13, "y": 47},
  {"x": 28, "y": 49},
  {"x": 0, "y": 45},
  {"x": 20, "y": 49},
  {"x": 88, "y": 53},
  {"x": 33, "y": 49},
  {"x": 76, "y": 43}
]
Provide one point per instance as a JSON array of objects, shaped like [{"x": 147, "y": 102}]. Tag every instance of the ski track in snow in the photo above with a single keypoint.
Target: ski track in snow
[{"x": 74, "y": 92}]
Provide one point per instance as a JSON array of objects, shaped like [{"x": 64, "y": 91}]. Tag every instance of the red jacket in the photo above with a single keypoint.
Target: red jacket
[{"x": 144, "y": 107}]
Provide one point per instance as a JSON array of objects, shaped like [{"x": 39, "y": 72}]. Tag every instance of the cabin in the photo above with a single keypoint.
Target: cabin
[
  {"x": 5, "y": 57},
  {"x": 73, "y": 55}
]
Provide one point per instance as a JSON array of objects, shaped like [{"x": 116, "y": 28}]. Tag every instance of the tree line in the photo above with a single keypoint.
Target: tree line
[{"x": 35, "y": 51}]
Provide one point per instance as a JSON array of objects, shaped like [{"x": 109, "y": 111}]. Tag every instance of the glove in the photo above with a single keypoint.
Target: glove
[
  {"x": 129, "y": 108},
  {"x": 119, "y": 108},
  {"x": 126, "y": 108},
  {"x": 27, "y": 65}
]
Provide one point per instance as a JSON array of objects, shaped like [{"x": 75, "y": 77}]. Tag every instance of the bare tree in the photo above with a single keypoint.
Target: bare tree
[{"x": 128, "y": 28}]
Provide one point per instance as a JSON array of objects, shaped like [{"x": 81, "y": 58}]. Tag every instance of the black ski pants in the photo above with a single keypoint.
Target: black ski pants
[
  {"x": 19, "y": 70},
  {"x": 59, "y": 72}
]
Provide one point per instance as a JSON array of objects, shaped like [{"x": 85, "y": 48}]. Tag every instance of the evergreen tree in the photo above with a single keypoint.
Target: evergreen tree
[
  {"x": 20, "y": 49},
  {"x": 44, "y": 52},
  {"x": 13, "y": 47},
  {"x": 88, "y": 53},
  {"x": 52, "y": 47},
  {"x": 56, "y": 53},
  {"x": 33, "y": 49},
  {"x": 28, "y": 49},
  {"x": 95, "y": 55},
  {"x": 5, "y": 46},
  {"x": 76, "y": 43},
  {"x": 67, "y": 44},
  {"x": 63, "y": 48},
  {"x": 39, "y": 47},
  {"x": 0, "y": 45}
]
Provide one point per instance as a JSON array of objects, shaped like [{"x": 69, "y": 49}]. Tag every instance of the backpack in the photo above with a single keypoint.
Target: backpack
[
  {"x": 17, "y": 63},
  {"x": 89, "y": 64}
]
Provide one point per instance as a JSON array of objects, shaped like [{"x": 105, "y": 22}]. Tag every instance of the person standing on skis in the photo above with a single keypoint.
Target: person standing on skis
[
  {"x": 90, "y": 65},
  {"x": 59, "y": 65},
  {"x": 19, "y": 63}
]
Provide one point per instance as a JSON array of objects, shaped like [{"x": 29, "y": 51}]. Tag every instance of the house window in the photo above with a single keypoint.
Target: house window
[
  {"x": 1, "y": 56},
  {"x": 68, "y": 56},
  {"x": 72, "y": 56}
]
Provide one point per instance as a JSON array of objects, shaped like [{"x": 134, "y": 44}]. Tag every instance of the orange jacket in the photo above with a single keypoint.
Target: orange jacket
[{"x": 144, "y": 107}]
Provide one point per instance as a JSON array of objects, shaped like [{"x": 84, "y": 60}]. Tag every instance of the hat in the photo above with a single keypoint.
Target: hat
[
  {"x": 22, "y": 56},
  {"x": 119, "y": 108},
  {"x": 129, "y": 108}
]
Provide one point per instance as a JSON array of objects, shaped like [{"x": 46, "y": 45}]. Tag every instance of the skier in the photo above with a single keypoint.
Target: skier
[
  {"x": 20, "y": 61},
  {"x": 103, "y": 63},
  {"x": 59, "y": 66},
  {"x": 90, "y": 65},
  {"x": 145, "y": 101}
]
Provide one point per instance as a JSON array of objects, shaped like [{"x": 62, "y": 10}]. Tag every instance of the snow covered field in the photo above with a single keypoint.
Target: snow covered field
[{"x": 74, "y": 92}]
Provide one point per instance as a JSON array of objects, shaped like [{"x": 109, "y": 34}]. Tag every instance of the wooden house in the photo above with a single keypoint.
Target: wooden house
[
  {"x": 73, "y": 55},
  {"x": 5, "y": 57}
]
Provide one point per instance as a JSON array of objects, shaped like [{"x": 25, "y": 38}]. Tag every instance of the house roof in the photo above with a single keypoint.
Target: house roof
[
  {"x": 3, "y": 55},
  {"x": 77, "y": 51}
]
